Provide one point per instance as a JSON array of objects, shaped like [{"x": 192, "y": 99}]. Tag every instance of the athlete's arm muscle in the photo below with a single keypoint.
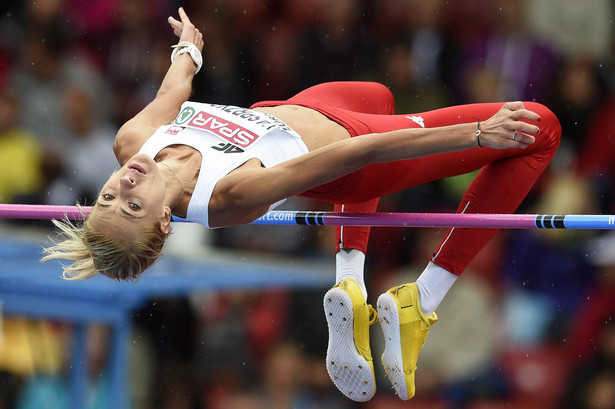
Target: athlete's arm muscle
[
  {"x": 161, "y": 111},
  {"x": 174, "y": 90}
]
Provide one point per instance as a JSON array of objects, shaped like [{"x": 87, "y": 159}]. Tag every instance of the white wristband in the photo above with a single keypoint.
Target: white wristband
[{"x": 186, "y": 47}]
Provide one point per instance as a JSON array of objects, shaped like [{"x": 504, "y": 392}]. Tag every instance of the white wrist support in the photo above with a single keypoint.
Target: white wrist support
[{"x": 186, "y": 47}]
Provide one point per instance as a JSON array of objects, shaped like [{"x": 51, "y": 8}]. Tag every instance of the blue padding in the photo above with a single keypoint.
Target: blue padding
[{"x": 28, "y": 287}]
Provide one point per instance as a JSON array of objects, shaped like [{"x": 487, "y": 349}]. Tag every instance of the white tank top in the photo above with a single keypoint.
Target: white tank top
[{"x": 226, "y": 136}]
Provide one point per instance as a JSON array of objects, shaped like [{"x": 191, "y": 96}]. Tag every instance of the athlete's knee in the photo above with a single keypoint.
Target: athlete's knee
[
  {"x": 550, "y": 128},
  {"x": 381, "y": 98},
  {"x": 388, "y": 98}
]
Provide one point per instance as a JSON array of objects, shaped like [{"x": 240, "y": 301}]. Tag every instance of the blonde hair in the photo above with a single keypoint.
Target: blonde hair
[{"x": 93, "y": 251}]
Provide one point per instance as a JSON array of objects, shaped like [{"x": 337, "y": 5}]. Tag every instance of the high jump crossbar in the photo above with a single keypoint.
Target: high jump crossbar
[{"x": 317, "y": 218}]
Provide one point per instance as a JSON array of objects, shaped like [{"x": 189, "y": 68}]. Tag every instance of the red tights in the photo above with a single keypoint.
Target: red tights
[{"x": 505, "y": 178}]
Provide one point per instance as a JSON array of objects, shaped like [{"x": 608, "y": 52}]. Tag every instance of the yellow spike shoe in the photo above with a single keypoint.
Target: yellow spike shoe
[
  {"x": 405, "y": 327},
  {"x": 349, "y": 357}
]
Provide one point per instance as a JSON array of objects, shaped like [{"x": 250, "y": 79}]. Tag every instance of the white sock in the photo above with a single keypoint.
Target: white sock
[
  {"x": 433, "y": 284},
  {"x": 349, "y": 264}
]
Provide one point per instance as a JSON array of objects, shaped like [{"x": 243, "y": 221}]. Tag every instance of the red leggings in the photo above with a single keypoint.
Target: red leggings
[{"x": 506, "y": 177}]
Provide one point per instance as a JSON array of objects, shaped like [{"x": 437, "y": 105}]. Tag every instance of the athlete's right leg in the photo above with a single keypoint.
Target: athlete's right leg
[
  {"x": 349, "y": 359},
  {"x": 341, "y": 98}
]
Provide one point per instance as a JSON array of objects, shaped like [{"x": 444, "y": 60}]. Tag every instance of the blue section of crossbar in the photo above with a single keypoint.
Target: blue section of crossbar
[
  {"x": 575, "y": 221},
  {"x": 589, "y": 222}
]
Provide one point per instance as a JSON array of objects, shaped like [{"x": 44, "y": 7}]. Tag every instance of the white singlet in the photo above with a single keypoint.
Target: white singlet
[{"x": 226, "y": 136}]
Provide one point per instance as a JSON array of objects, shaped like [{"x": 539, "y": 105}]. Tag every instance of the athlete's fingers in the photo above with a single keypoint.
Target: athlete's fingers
[
  {"x": 520, "y": 116},
  {"x": 199, "y": 40},
  {"x": 525, "y": 127},
  {"x": 177, "y": 32},
  {"x": 177, "y": 26},
  {"x": 518, "y": 111},
  {"x": 183, "y": 16},
  {"x": 521, "y": 141},
  {"x": 514, "y": 105},
  {"x": 174, "y": 23},
  {"x": 524, "y": 139},
  {"x": 525, "y": 114}
]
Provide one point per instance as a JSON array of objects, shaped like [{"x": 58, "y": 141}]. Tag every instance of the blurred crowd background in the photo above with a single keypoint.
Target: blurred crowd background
[{"x": 529, "y": 325}]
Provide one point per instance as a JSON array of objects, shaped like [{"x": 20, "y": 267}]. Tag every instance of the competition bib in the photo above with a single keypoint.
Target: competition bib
[{"x": 240, "y": 126}]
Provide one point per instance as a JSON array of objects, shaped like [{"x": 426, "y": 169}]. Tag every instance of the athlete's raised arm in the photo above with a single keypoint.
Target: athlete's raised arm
[{"x": 174, "y": 90}]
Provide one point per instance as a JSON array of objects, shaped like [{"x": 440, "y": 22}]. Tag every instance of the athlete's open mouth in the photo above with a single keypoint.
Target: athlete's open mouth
[{"x": 137, "y": 167}]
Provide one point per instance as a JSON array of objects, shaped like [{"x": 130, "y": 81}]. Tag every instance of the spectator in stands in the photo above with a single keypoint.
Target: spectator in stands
[
  {"x": 88, "y": 131},
  {"x": 20, "y": 153}
]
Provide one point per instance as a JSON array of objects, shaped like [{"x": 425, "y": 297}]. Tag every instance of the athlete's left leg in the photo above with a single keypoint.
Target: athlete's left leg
[
  {"x": 500, "y": 187},
  {"x": 505, "y": 178},
  {"x": 506, "y": 175}
]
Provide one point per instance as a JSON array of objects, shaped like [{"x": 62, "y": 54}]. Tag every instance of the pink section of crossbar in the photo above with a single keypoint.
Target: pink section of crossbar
[
  {"x": 22, "y": 211},
  {"x": 513, "y": 221}
]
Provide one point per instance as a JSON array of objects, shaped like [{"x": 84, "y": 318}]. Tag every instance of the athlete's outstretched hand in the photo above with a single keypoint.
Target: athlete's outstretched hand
[
  {"x": 185, "y": 30},
  {"x": 512, "y": 126}
]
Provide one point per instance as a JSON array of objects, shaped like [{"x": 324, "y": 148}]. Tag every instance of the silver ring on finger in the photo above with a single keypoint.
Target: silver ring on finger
[{"x": 514, "y": 136}]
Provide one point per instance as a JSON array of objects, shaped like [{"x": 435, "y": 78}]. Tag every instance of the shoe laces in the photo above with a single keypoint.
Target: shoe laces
[{"x": 373, "y": 315}]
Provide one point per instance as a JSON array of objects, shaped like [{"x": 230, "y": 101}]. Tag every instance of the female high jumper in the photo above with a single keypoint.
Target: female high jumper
[{"x": 222, "y": 165}]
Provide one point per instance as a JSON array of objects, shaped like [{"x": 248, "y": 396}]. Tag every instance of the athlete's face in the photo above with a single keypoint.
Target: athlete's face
[{"x": 132, "y": 199}]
